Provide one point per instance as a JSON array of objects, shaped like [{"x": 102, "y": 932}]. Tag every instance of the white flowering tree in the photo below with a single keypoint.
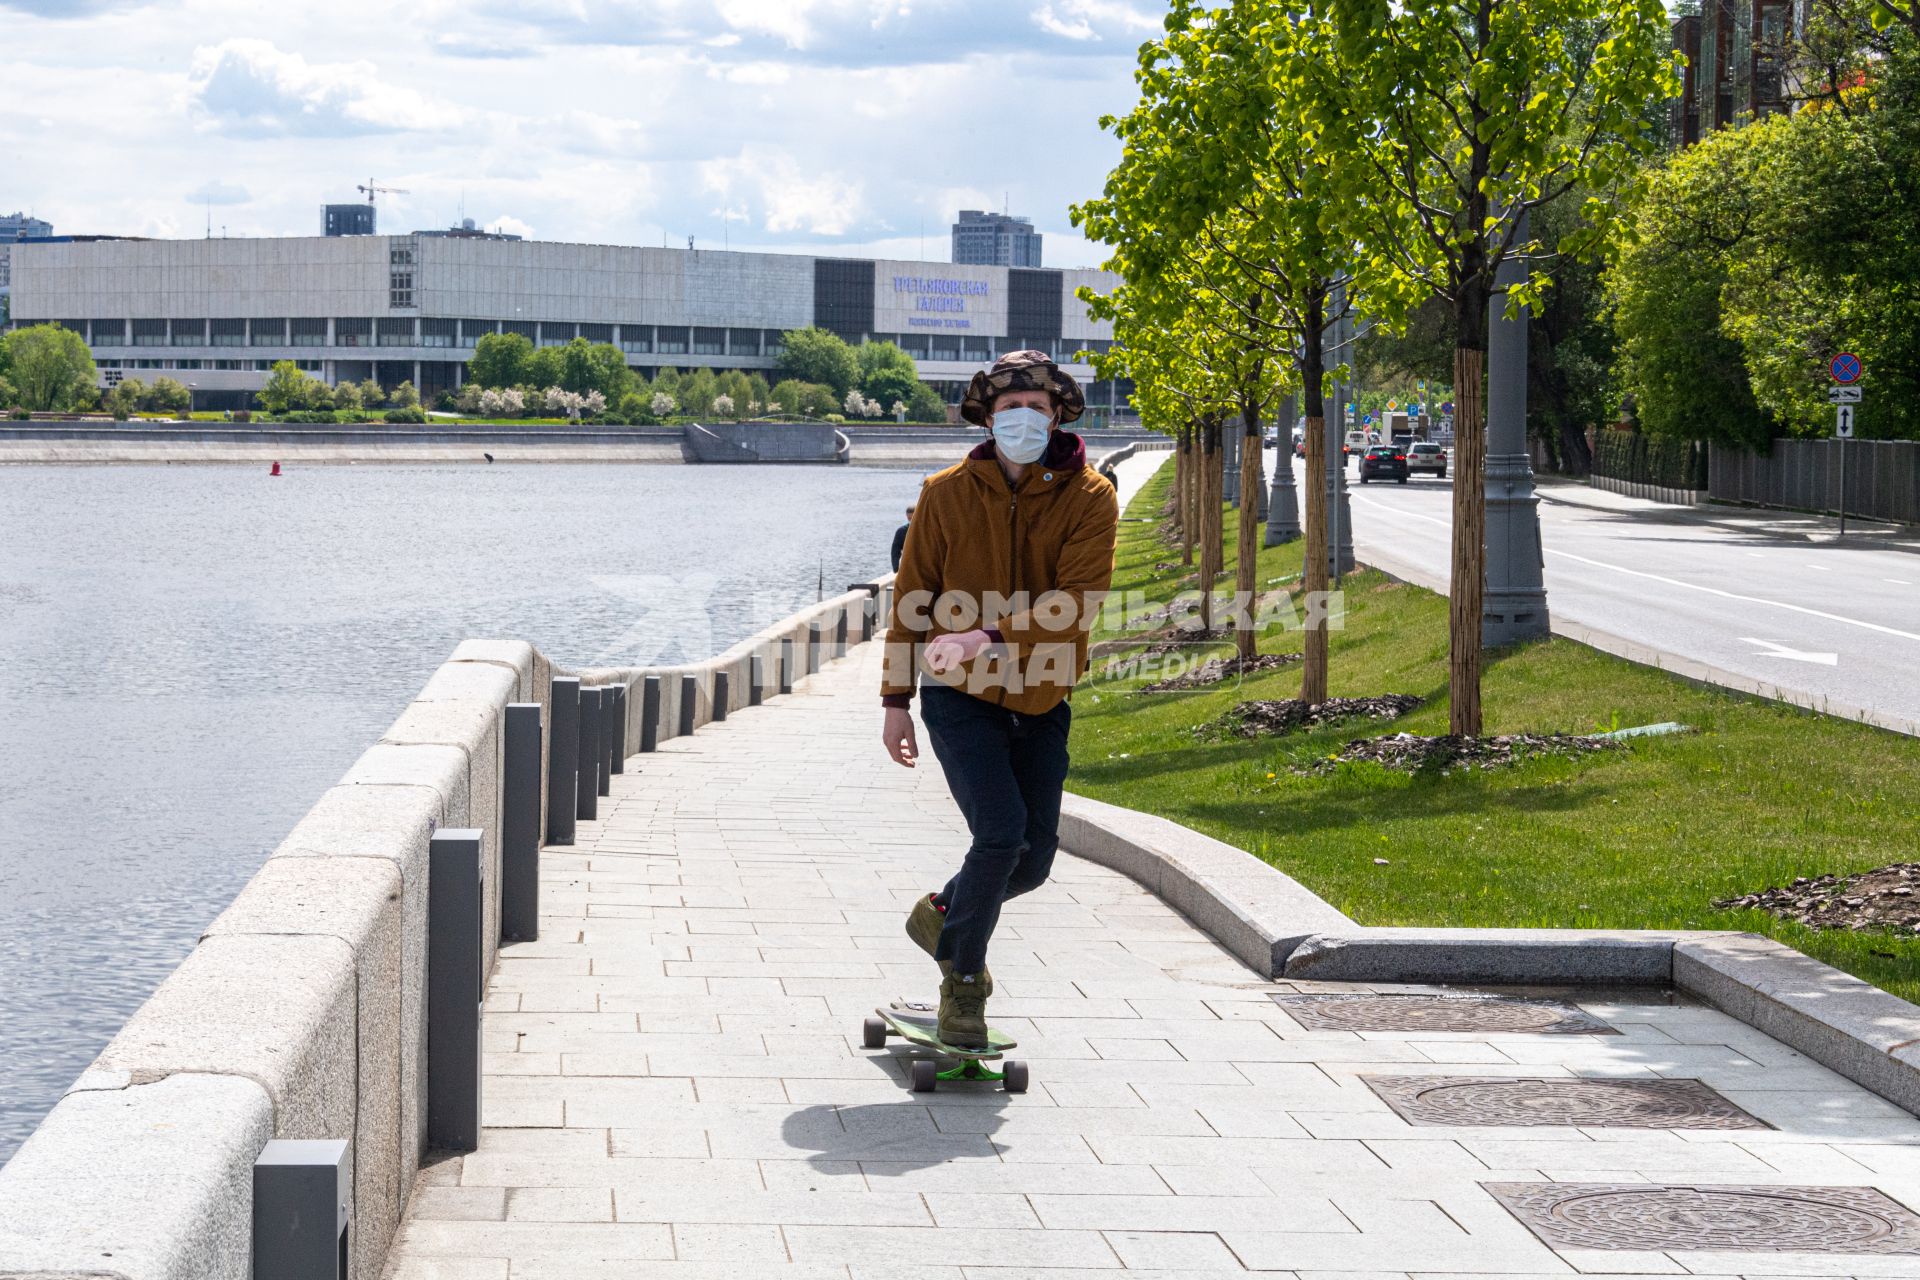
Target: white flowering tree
[
  {"x": 593, "y": 404},
  {"x": 856, "y": 404},
  {"x": 661, "y": 404},
  {"x": 723, "y": 405}
]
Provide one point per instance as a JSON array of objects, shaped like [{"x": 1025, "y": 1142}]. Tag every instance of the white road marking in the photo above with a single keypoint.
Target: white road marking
[
  {"x": 1675, "y": 582},
  {"x": 1777, "y": 650}
]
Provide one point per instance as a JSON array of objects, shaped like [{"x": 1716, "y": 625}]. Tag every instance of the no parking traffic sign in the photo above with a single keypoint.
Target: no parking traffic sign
[{"x": 1845, "y": 368}]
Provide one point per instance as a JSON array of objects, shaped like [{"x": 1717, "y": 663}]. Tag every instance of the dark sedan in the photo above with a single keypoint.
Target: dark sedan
[{"x": 1384, "y": 462}]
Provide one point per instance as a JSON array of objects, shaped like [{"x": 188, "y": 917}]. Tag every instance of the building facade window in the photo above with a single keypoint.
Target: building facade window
[
  {"x": 743, "y": 342},
  {"x": 709, "y": 342},
  {"x": 438, "y": 333},
  {"x": 394, "y": 333},
  {"x": 636, "y": 339},
  {"x": 525, "y": 328},
  {"x": 189, "y": 333},
  {"x": 267, "y": 333},
  {"x": 555, "y": 334},
  {"x": 471, "y": 331},
  {"x": 353, "y": 331},
  {"x": 597, "y": 333},
  {"x": 228, "y": 333},
  {"x": 672, "y": 340},
  {"x": 400, "y": 275},
  {"x": 310, "y": 331},
  {"x": 109, "y": 333}
]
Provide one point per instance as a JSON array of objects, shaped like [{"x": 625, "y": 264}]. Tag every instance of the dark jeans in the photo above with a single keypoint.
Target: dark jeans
[{"x": 1006, "y": 772}]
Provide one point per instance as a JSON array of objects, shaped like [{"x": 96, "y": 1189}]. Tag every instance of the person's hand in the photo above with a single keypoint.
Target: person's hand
[
  {"x": 897, "y": 734},
  {"x": 946, "y": 652}
]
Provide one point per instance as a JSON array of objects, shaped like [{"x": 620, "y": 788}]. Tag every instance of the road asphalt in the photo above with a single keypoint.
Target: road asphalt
[{"x": 1772, "y": 602}]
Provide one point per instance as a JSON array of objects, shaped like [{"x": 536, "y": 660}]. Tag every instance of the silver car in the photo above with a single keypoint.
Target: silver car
[{"x": 1426, "y": 456}]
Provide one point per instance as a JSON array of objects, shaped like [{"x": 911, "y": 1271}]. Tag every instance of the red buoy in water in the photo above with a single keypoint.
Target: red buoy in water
[{"x": 275, "y": 471}]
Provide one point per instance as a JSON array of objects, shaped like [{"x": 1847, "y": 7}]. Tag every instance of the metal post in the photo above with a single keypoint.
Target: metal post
[
  {"x": 689, "y": 703},
  {"x": 1339, "y": 511},
  {"x": 1515, "y": 605},
  {"x": 607, "y": 749},
  {"x": 813, "y": 647},
  {"x": 589, "y": 797},
  {"x": 1283, "y": 500},
  {"x": 840, "y": 632},
  {"x": 619, "y": 734},
  {"x": 520, "y": 826},
  {"x": 1843, "y": 486},
  {"x": 756, "y": 679},
  {"x": 300, "y": 1219},
  {"x": 786, "y": 666},
  {"x": 650, "y": 713},
  {"x": 456, "y": 985},
  {"x": 720, "y": 692},
  {"x": 563, "y": 760}
]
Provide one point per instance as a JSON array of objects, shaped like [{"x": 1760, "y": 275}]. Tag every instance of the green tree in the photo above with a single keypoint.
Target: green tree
[
  {"x": 285, "y": 389},
  {"x": 1448, "y": 122},
  {"x": 372, "y": 394},
  {"x": 697, "y": 392},
  {"x": 168, "y": 395},
  {"x": 50, "y": 367},
  {"x": 816, "y": 355},
  {"x": 405, "y": 396},
  {"x": 124, "y": 399},
  {"x": 347, "y": 396},
  {"x": 925, "y": 405},
  {"x": 499, "y": 360},
  {"x": 543, "y": 369},
  {"x": 757, "y": 392},
  {"x": 886, "y": 373}
]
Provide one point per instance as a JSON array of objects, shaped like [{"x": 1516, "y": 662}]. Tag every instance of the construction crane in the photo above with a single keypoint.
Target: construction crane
[{"x": 372, "y": 187}]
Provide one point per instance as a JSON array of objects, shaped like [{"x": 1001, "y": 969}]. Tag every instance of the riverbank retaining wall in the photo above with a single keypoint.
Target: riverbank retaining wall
[{"x": 302, "y": 1012}]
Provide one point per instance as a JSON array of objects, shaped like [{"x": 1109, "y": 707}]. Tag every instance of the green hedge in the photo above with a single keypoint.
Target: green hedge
[{"x": 1643, "y": 459}]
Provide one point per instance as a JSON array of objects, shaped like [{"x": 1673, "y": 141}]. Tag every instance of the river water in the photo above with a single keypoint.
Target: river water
[{"x": 189, "y": 656}]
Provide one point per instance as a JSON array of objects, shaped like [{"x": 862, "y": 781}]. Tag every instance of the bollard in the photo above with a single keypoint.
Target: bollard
[
  {"x": 520, "y": 826},
  {"x": 689, "y": 703},
  {"x": 619, "y": 728},
  {"x": 607, "y": 750},
  {"x": 650, "y": 714},
  {"x": 456, "y": 984},
  {"x": 756, "y": 679},
  {"x": 866, "y": 619},
  {"x": 300, "y": 1210},
  {"x": 720, "y": 691},
  {"x": 786, "y": 666},
  {"x": 812, "y": 663},
  {"x": 563, "y": 760},
  {"x": 840, "y": 632},
  {"x": 590, "y": 753}
]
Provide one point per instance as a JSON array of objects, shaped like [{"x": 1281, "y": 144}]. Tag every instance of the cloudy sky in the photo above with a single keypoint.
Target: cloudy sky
[{"x": 855, "y": 126}]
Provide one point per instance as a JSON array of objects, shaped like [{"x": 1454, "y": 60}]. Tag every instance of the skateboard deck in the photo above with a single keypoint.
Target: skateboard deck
[{"x": 915, "y": 1021}]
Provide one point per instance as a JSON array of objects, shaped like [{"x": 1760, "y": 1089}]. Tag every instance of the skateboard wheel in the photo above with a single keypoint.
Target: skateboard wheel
[
  {"x": 1016, "y": 1073},
  {"x": 873, "y": 1033},
  {"x": 926, "y": 1076}
]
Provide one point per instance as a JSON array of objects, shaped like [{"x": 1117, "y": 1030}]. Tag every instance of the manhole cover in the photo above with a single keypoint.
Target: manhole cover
[
  {"x": 1502, "y": 1100},
  {"x": 1475, "y": 1014},
  {"x": 1605, "y": 1215}
]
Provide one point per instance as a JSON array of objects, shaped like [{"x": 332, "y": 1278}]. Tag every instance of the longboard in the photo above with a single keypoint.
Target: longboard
[{"x": 914, "y": 1022}]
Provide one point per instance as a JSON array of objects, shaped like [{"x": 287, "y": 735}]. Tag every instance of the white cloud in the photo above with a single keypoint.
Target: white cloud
[
  {"x": 1089, "y": 19},
  {"x": 214, "y": 191},
  {"x": 507, "y": 224},
  {"x": 789, "y": 197},
  {"x": 249, "y": 87}
]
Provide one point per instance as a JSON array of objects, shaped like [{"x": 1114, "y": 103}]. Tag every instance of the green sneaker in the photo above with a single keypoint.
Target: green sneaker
[
  {"x": 963, "y": 1011},
  {"x": 924, "y": 923}
]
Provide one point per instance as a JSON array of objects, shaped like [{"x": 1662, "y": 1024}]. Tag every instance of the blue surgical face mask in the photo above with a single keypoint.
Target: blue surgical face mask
[{"x": 1021, "y": 434}]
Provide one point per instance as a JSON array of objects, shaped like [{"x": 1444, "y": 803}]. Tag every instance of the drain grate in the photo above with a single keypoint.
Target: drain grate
[
  {"x": 1470, "y": 1013},
  {"x": 1506, "y": 1100},
  {"x": 1747, "y": 1219}
]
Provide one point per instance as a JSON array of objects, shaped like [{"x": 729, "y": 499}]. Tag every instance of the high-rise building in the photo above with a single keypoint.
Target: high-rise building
[
  {"x": 354, "y": 219},
  {"x": 1735, "y": 52},
  {"x": 995, "y": 240},
  {"x": 15, "y": 227}
]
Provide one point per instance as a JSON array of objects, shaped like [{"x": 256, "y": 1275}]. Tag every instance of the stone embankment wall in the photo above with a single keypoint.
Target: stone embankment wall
[{"x": 301, "y": 1013}]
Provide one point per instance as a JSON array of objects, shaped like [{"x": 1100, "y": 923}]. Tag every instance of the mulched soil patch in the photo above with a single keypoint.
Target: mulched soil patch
[
  {"x": 1885, "y": 898},
  {"x": 1268, "y": 717},
  {"x": 1412, "y": 752},
  {"x": 1214, "y": 670}
]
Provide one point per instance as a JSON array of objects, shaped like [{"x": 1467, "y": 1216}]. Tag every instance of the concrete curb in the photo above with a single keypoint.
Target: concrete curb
[
  {"x": 1650, "y": 492},
  {"x": 1284, "y": 931},
  {"x": 1252, "y": 909}
]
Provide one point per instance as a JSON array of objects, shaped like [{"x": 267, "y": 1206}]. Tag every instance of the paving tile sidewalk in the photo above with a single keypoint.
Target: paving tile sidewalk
[
  {"x": 676, "y": 1090},
  {"x": 674, "y": 1081}
]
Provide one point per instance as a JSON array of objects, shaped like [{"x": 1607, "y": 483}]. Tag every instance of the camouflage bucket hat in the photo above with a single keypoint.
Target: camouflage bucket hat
[{"x": 1022, "y": 371}]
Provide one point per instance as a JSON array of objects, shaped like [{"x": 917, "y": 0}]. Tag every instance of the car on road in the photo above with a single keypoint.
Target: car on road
[
  {"x": 1356, "y": 442},
  {"x": 1424, "y": 455},
  {"x": 1384, "y": 462}
]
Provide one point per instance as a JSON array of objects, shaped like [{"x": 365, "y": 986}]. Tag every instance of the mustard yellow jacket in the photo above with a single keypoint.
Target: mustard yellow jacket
[{"x": 1031, "y": 563}]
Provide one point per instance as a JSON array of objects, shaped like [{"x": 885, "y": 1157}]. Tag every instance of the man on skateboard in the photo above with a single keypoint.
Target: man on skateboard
[{"x": 1007, "y": 558}]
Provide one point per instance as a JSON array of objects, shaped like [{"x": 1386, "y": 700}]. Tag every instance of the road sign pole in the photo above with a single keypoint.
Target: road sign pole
[{"x": 1843, "y": 481}]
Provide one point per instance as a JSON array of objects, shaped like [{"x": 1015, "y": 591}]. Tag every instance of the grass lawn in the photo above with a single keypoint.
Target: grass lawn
[{"x": 1643, "y": 837}]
